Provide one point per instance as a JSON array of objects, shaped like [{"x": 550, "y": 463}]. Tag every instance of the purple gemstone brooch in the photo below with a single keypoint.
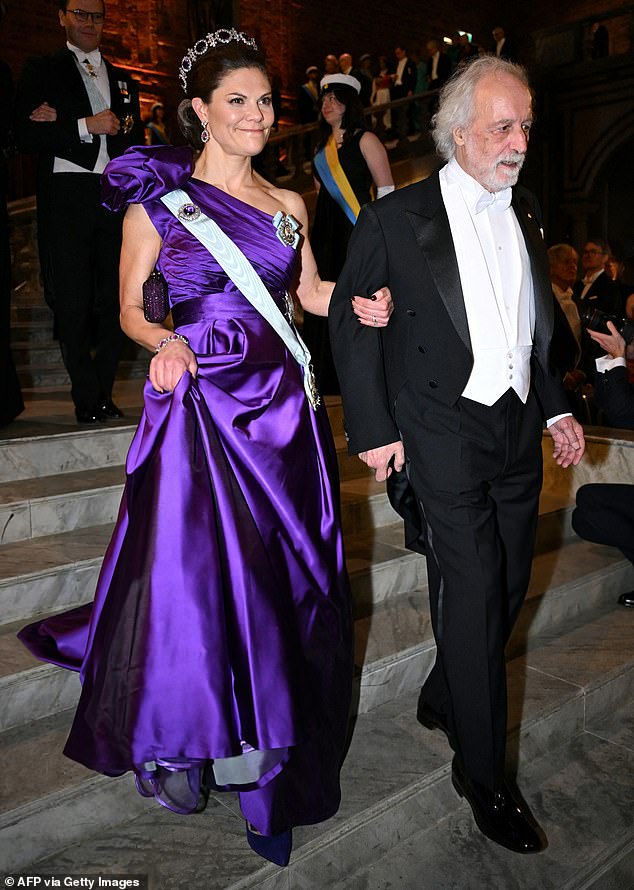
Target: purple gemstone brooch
[{"x": 188, "y": 212}]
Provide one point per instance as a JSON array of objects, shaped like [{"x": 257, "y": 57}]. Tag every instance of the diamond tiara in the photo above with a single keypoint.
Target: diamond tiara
[{"x": 202, "y": 46}]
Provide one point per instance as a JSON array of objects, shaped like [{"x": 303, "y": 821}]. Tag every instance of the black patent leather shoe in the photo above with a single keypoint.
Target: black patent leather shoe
[
  {"x": 91, "y": 414},
  {"x": 431, "y": 719},
  {"x": 498, "y": 815},
  {"x": 109, "y": 410},
  {"x": 627, "y": 600}
]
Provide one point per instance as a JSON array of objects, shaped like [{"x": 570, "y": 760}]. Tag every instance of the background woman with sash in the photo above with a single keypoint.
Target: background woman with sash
[
  {"x": 350, "y": 167},
  {"x": 217, "y": 655},
  {"x": 156, "y": 127}
]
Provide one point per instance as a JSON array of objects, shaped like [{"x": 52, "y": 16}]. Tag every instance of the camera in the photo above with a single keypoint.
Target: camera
[{"x": 596, "y": 320}]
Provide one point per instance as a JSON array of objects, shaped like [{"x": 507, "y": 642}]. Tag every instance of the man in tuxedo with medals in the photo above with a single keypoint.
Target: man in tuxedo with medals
[
  {"x": 76, "y": 111},
  {"x": 457, "y": 389}
]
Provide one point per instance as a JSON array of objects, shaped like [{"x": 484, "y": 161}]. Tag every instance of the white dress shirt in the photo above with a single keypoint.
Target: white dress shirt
[
  {"x": 588, "y": 281},
  {"x": 496, "y": 283},
  {"x": 400, "y": 68},
  {"x": 98, "y": 89},
  {"x": 497, "y": 286}
]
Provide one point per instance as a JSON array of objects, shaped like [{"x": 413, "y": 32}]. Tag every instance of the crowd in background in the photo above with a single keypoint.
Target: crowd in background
[
  {"x": 421, "y": 71},
  {"x": 406, "y": 72}
]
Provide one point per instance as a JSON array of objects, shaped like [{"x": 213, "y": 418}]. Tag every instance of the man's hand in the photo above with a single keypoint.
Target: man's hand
[
  {"x": 613, "y": 343},
  {"x": 374, "y": 311},
  {"x": 43, "y": 112},
  {"x": 379, "y": 459},
  {"x": 569, "y": 443},
  {"x": 106, "y": 123}
]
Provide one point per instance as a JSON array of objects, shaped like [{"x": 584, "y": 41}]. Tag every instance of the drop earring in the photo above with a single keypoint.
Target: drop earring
[{"x": 204, "y": 135}]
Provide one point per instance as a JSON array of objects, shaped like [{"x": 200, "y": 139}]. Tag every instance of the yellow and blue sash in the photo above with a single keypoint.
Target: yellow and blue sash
[{"x": 335, "y": 180}]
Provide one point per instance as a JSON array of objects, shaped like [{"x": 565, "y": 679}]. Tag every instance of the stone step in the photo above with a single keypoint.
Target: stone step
[
  {"x": 51, "y": 505},
  {"x": 564, "y": 696},
  {"x": 43, "y": 446},
  {"x": 31, "y": 312},
  {"x": 46, "y": 574},
  {"x": 28, "y": 293},
  {"x": 25, "y": 333},
  {"x": 55, "y": 374},
  {"x": 394, "y": 641},
  {"x": 51, "y": 573},
  {"x": 579, "y": 792},
  {"x": 36, "y": 355},
  {"x": 33, "y": 449}
]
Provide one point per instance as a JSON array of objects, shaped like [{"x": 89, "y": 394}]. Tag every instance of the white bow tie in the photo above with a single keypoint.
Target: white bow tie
[{"x": 498, "y": 200}]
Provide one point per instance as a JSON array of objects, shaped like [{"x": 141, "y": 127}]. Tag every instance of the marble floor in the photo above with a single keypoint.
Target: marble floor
[{"x": 401, "y": 825}]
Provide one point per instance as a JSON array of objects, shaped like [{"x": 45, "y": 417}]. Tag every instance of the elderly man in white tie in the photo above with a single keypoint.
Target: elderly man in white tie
[
  {"x": 76, "y": 111},
  {"x": 457, "y": 388},
  {"x": 564, "y": 262}
]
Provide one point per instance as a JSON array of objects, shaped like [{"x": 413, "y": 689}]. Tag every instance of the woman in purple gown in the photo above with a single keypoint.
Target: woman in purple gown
[{"x": 218, "y": 651}]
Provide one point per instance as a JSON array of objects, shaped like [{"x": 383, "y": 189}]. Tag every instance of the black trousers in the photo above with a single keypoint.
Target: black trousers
[
  {"x": 605, "y": 515},
  {"x": 477, "y": 472},
  {"x": 83, "y": 243}
]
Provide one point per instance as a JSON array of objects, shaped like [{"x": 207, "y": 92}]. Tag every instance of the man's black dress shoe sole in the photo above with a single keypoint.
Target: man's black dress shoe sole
[
  {"x": 497, "y": 815},
  {"x": 627, "y": 600},
  {"x": 431, "y": 719}
]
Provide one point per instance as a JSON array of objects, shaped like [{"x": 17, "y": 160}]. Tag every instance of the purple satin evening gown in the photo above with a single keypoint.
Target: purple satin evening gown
[{"x": 218, "y": 646}]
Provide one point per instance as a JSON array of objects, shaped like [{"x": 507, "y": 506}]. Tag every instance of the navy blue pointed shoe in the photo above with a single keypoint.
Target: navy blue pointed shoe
[{"x": 276, "y": 848}]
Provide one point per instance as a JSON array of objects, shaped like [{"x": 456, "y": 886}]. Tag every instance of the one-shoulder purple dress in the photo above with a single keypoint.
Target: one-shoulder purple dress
[{"x": 218, "y": 648}]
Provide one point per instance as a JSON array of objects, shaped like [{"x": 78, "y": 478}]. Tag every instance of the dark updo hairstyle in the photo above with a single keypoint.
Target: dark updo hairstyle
[
  {"x": 353, "y": 119},
  {"x": 206, "y": 75}
]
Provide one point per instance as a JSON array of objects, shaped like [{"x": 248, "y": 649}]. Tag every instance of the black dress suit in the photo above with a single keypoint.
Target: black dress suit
[
  {"x": 443, "y": 70},
  {"x": 476, "y": 470},
  {"x": 615, "y": 395},
  {"x": 603, "y": 294},
  {"x": 509, "y": 51},
  {"x": 408, "y": 81},
  {"x": 79, "y": 240},
  {"x": 402, "y": 121},
  {"x": 605, "y": 515}
]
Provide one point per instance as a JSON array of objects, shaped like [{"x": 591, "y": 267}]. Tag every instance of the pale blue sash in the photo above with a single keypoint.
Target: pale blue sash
[{"x": 239, "y": 269}]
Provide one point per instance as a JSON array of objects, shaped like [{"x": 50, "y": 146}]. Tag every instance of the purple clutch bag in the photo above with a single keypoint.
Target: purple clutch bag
[{"x": 156, "y": 305}]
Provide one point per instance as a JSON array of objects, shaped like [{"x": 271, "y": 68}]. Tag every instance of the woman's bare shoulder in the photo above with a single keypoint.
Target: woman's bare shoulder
[{"x": 285, "y": 199}]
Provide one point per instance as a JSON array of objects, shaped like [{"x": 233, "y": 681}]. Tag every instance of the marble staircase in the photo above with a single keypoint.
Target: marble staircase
[
  {"x": 571, "y": 672},
  {"x": 35, "y": 351}
]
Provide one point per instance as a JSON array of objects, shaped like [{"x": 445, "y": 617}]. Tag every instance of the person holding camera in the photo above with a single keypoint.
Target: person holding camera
[
  {"x": 613, "y": 391},
  {"x": 595, "y": 290}
]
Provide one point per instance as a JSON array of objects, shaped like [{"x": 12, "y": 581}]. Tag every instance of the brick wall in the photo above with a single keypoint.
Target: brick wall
[{"x": 146, "y": 36}]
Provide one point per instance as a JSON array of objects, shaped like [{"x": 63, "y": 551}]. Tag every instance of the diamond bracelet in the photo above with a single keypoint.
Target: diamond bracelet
[{"x": 170, "y": 339}]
